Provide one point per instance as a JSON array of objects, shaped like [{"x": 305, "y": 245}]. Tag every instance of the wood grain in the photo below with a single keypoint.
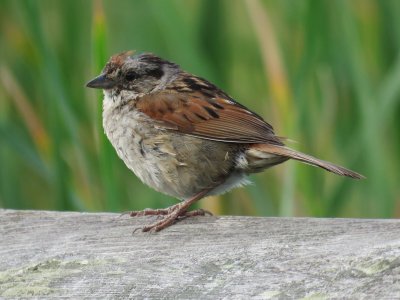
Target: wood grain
[{"x": 94, "y": 255}]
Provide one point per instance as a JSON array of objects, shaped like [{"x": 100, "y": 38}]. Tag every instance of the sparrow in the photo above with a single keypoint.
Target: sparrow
[{"x": 183, "y": 136}]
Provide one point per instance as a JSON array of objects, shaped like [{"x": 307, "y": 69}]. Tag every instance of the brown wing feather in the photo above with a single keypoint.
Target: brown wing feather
[{"x": 210, "y": 118}]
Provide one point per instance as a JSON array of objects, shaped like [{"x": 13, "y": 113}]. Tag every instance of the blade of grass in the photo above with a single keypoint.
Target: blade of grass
[
  {"x": 106, "y": 152},
  {"x": 371, "y": 120},
  {"x": 279, "y": 87}
]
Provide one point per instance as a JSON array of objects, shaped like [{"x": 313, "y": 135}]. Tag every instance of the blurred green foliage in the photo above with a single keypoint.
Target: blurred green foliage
[{"x": 324, "y": 73}]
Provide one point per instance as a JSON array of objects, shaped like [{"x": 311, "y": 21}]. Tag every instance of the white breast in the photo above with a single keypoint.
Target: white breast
[{"x": 124, "y": 128}]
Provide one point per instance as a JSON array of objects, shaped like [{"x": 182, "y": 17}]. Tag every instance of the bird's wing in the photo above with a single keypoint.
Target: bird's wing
[{"x": 216, "y": 118}]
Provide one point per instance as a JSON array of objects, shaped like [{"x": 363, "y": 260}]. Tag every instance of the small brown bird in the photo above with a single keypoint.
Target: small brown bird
[{"x": 183, "y": 136}]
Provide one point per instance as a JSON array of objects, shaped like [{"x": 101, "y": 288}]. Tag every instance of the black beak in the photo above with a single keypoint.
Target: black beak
[{"x": 101, "y": 82}]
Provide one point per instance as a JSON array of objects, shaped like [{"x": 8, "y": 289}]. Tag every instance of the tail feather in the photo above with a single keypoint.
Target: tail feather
[{"x": 308, "y": 159}]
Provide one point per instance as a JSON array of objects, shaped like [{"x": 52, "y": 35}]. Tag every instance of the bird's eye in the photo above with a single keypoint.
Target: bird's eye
[{"x": 131, "y": 76}]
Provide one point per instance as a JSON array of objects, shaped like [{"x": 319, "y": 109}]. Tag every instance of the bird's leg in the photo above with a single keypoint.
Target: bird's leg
[
  {"x": 152, "y": 212},
  {"x": 166, "y": 211},
  {"x": 178, "y": 211}
]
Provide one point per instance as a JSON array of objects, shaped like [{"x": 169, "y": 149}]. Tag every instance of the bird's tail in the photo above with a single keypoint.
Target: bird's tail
[{"x": 308, "y": 159}]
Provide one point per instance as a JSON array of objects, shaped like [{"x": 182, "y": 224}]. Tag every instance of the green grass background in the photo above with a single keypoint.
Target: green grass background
[{"x": 325, "y": 73}]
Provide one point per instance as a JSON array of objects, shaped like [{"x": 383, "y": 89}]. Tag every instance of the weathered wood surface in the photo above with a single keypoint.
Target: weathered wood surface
[{"x": 77, "y": 255}]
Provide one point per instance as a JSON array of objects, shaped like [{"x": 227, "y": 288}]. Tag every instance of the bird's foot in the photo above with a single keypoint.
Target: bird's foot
[
  {"x": 196, "y": 212},
  {"x": 177, "y": 212},
  {"x": 171, "y": 215},
  {"x": 150, "y": 212}
]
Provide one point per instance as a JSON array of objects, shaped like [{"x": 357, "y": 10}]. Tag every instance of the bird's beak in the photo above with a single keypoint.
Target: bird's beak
[{"x": 101, "y": 82}]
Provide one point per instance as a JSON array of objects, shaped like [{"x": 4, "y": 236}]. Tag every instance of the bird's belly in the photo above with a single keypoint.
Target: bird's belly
[
  {"x": 172, "y": 163},
  {"x": 137, "y": 146}
]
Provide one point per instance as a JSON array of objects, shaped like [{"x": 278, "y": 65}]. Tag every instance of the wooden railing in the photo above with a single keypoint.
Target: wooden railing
[{"x": 95, "y": 255}]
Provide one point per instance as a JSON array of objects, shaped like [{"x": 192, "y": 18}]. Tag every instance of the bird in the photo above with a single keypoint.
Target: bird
[{"x": 185, "y": 137}]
